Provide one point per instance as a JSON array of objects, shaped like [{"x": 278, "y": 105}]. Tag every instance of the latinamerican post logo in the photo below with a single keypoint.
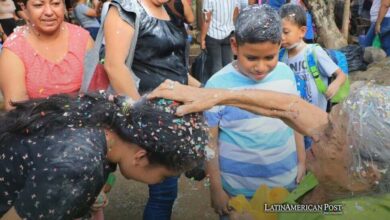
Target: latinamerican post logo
[{"x": 326, "y": 209}]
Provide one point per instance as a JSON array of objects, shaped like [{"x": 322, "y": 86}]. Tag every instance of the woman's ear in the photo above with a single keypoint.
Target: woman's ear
[{"x": 140, "y": 158}]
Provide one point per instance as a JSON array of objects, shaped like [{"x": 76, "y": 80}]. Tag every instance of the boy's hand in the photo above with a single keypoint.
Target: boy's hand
[
  {"x": 220, "y": 201},
  {"x": 332, "y": 90},
  {"x": 301, "y": 172}
]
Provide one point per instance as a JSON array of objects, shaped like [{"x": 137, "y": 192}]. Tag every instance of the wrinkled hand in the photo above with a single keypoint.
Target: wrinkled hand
[
  {"x": 332, "y": 90},
  {"x": 194, "y": 99},
  {"x": 220, "y": 202},
  {"x": 301, "y": 172},
  {"x": 377, "y": 28}
]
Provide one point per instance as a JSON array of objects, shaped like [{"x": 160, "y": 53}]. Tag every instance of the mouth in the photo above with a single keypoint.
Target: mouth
[
  {"x": 258, "y": 76},
  {"x": 48, "y": 21}
]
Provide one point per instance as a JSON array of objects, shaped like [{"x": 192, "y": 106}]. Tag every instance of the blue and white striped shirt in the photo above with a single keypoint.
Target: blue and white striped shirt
[{"x": 253, "y": 149}]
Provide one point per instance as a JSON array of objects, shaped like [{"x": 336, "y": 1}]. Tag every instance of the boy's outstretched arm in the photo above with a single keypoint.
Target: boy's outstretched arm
[
  {"x": 219, "y": 198},
  {"x": 341, "y": 77},
  {"x": 300, "y": 144}
]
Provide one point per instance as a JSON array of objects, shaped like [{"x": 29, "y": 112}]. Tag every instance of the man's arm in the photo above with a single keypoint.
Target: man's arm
[
  {"x": 385, "y": 4},
  {"x": 206, "y": 19}
]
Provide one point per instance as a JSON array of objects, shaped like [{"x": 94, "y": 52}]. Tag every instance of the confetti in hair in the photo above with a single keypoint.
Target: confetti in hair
[
  {"x": 176, "y": 142},
  {"x": 368, "y": 132},
  {"x": 257, "y": 24}
]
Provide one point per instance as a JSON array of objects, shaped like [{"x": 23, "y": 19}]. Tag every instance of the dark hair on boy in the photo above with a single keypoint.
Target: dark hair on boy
[
  {"x": 294, "y": 13},
  {"x": 258, "y": 24}
]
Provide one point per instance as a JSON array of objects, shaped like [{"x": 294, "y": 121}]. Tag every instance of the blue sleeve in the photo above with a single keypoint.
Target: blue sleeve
[
  {"x": 326, "y": 63},
  {"x": 83, "y": 9}
]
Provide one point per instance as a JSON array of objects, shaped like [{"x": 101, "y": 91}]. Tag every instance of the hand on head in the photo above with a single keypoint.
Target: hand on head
[{"x": 194, "y": 99}]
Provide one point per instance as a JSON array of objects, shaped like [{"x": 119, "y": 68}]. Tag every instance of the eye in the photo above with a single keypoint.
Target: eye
[
  {"x": 38, "y": 5},
  {"x": 251, "y": 58},
  {"x": 269, "y": 58}
]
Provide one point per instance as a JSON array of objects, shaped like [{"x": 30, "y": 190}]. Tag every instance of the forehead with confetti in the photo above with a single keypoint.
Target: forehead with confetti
[
  {"x": 177, "y": 142},
  {"x": 367, "y": 112},
  {"x": 257, "y": 24}
]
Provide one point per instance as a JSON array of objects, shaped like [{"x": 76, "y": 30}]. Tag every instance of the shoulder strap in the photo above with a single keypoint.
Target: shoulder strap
[
  {"x": 282, "y": 55},
  {"x": 312, "y": 66}
]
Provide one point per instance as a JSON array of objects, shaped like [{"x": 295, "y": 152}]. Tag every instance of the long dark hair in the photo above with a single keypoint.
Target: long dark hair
[{"x": 175, "y": 142}]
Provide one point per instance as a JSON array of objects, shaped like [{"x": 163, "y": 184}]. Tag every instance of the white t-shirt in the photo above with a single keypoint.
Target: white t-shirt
[
  {"x": 221, "y": 24},
  {"x": 374, "y": 11},
  {"x": 305, "y": 80}
]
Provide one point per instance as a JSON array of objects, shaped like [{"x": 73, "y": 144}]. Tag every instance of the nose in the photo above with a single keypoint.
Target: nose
[
  {"x": 47, "y": 9},
  {"x": 261, "y": 67},
  {"x": 283, "y": 37}
]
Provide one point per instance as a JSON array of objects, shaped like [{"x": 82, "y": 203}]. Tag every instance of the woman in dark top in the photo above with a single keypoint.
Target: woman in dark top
[
  {"x": 56, "y": 153},
  {"x": 159, "y": 55}
]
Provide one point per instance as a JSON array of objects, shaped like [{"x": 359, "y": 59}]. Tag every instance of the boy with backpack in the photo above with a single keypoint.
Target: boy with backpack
[{"x": 311, "y": 64}]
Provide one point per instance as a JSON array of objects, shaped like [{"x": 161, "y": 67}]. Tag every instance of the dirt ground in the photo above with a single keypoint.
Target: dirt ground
[{"x": 128, "y": 198}]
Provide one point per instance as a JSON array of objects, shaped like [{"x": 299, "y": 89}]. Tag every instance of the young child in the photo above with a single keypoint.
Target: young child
[
  {"x": 252, "y": 150},
  {"x": 294, "y": 29}
]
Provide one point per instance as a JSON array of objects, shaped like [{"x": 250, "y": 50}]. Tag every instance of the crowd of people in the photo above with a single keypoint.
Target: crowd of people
[{"x": 267, "y": 116}]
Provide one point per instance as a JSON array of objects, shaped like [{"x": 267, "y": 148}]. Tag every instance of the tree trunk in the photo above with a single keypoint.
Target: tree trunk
[
  {"x": 346, "y": 16},
  {"x": 323, "y": 16}
]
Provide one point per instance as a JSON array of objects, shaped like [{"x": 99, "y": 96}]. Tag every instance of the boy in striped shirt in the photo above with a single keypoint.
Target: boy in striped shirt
[{"x": 253, "y": 150}]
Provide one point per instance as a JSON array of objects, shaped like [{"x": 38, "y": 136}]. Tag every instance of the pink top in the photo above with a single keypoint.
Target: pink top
[{"x": 43, "y": 77}]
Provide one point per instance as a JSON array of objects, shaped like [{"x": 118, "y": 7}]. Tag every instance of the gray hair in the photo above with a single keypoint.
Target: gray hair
[
  {"x": 368, "y": 134},
  {"x": 257, "y": 24}
]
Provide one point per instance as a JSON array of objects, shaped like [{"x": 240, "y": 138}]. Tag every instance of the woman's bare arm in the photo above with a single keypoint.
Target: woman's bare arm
[
  {"x": 118, "y": 36},
  {"x": 12, "y": 78}
]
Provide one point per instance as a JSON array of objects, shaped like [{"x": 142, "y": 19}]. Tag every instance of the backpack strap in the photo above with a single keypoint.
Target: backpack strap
[
  {"x": 283, "y": 55},
  {"x": 312, "y": 66}
]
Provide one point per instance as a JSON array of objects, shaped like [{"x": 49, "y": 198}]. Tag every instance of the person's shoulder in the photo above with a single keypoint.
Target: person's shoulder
[
  {"x": 282, "y": 71},
  {"x": 227, "y": 77},
  {"x": 75, "y": 29},
  {"x": 16, "y": 39},
  {"x": 79, "y": 38},
  {"x": 319, "y": 50},
  {"x": 127, "y": 5}
]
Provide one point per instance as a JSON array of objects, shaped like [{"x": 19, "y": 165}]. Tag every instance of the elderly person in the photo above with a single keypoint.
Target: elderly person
[
  {"x": 351, "y": 150},
  {"x": 56, "y": 153},
  {"x": 44, "y": 57}
]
